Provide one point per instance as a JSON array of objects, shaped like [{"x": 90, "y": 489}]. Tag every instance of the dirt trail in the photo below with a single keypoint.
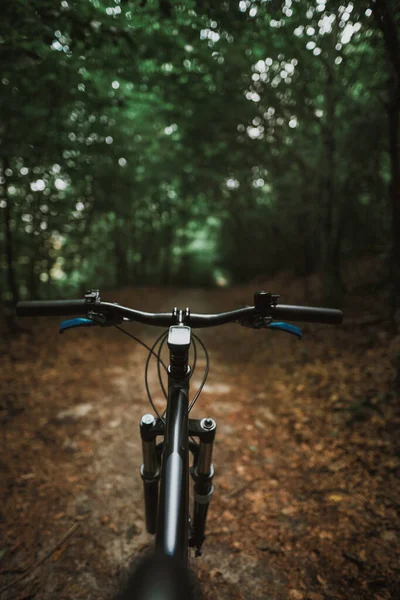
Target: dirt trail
[{"x": 306, "y": 458}]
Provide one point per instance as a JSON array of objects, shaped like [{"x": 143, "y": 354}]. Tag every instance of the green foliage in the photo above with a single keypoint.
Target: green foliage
[{"x": 127, "y": 125}]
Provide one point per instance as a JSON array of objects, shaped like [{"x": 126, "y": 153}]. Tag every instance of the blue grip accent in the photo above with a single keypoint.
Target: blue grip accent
[
  {"x": 287, "y": 327},
  {"x": 71, "y": 323}
]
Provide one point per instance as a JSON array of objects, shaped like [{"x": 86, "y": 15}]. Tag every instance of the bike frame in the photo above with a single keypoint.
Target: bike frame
[
  {"x": 167, "y": 512},
  {"x": 172, "y": 536}
]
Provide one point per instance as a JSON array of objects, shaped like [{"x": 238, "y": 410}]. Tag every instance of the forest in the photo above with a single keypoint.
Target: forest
[
  {"x": 196, "y": 143},
  {"x": 187, "y": 153}
]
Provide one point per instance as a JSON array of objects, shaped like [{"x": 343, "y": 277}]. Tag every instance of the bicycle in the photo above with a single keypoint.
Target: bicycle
[{"x": 165, "y": 469}]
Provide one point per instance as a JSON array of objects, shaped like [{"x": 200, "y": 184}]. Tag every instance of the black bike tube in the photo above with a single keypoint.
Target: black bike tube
[{"x": 173, "y": 509}]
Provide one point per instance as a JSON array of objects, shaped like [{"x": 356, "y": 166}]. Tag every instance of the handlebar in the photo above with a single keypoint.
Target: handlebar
[{"x": 92, "y": 303}]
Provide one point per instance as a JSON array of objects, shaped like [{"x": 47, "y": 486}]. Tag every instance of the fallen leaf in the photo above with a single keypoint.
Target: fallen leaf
[
  {"x": 58, "y": 553},
  {"x": 296, "y": 594},
  {"x": 237, "y": 545},
  {"x": 228, "y": 516},
  {"x": 389, "y": 536},
  {"x": 314, "y": 596},
  {"x": 392, "y": 464},
  {"x": 335, "y": 497},
  {"x": 289, "y": 511},
  {"x": 215, "y": 573}
]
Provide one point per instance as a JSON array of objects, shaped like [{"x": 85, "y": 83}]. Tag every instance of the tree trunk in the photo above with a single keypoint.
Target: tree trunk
[
  {"x": 241, "y": 244},
  {"x": 121, "y": 259},
  {"x": 394, "y": 150},
  {"x": 166, "y": 254},
  {"x": 387, "y": 23},
  {"x": 9, "y": 247},
  {"x": 330, "y": 242},
  {"x": 32, "y": 278}
]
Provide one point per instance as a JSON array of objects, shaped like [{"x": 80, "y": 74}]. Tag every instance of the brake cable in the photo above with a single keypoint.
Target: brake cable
[
  {"x": 140, "y": 342},
  {"x": 203, "y": 381},
  {"x": 159, "y": 370},
  {"x": 157, "y": 354},
  {"x": 160, "y": 339},
  {"x": 151, "y": 353}
]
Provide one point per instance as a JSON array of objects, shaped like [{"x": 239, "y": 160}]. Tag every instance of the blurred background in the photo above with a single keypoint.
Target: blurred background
[
  {"x": 187, "y": 153},
  {"x": 196, "y": 143}
]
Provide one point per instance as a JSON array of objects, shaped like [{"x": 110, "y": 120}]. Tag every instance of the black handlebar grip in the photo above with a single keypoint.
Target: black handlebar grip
[
  {"x": 312, "y": 314},
  {"x": 51, "y": 308}
]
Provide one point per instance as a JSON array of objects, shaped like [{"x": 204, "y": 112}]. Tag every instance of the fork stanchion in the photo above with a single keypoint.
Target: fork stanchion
[
  {"x": 202, "y": 474},
  {"x": 150, "y": 488},
  {"x": 150, "y": 470}
]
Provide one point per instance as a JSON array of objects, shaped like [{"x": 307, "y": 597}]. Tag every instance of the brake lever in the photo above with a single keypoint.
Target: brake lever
[
  {"x": 259, "y": 322},
  {"x": 72, "y": 323},
  {"x": 93, "y": 318},
  {"x": 287, "y": 328}
]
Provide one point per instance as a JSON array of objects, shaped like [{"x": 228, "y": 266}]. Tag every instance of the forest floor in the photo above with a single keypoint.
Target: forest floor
[{"x": 307, "y": 453}]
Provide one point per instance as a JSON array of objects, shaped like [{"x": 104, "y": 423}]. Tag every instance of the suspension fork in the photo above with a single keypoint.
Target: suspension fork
[{"x": 202, "y": 472}]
